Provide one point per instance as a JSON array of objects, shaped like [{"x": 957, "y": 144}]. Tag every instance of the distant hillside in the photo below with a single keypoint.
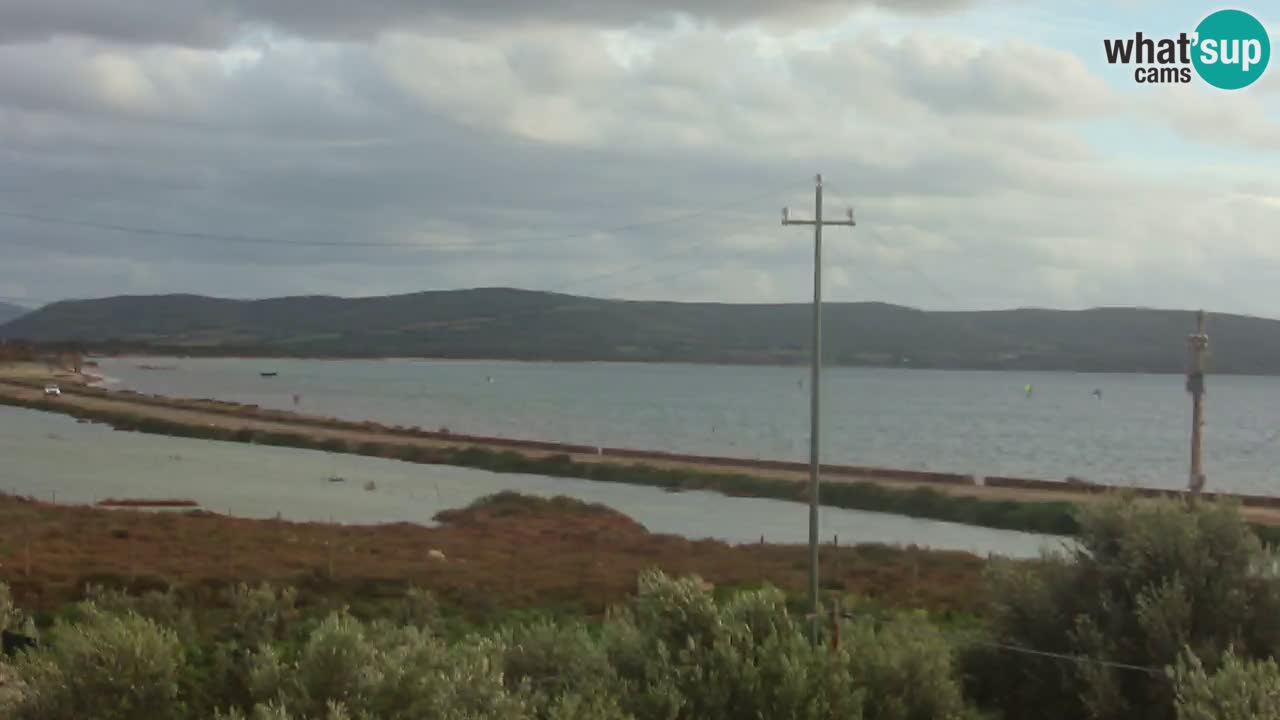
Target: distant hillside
[
  {"x": 516, "y": 324},
  {"x": 10, "y": 312}
]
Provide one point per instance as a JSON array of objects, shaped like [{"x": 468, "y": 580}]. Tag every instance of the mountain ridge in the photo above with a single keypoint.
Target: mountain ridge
[
  {"x": 10, "y": 312},
  {"x": 513, "y": 324}
]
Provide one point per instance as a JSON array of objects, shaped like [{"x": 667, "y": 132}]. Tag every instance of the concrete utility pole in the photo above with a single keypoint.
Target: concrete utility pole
[
  {"x": 815, "y": 375},
  {"x": 1199, "y": 343}
]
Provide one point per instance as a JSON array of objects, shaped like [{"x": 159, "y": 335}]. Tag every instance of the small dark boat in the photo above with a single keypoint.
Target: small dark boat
[{"x": 268, "y": 374}]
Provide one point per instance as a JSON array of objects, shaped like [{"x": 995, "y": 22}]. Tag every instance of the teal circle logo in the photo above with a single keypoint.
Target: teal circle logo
[{"x": 1231, "y": 49}]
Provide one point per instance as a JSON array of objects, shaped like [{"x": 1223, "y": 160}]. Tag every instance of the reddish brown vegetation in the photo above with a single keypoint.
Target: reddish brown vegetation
[{"x": 509, "y": 552}]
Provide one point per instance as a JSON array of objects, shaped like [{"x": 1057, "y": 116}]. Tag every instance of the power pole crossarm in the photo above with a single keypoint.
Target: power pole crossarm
[
  {"x": 814, "y": 395},
  {"x": 788, "y": 220}
]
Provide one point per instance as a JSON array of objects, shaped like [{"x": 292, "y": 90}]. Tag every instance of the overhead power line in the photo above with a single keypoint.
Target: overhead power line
[
  {"x": 1079, "y": 659},
  {"x": 562, "y": 288},
  {"x": 142, "y": 230},
  {"x": 680, "y": 251},
  {"x": 572, "y": 284}
]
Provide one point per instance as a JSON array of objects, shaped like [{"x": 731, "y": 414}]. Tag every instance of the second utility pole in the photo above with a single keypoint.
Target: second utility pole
[
  {"x": 1199, "y": 343},
  {"x": 815, "y": 375}
]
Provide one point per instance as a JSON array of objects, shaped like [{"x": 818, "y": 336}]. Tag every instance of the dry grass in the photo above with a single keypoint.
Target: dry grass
[{"x": 512, "y": 552}]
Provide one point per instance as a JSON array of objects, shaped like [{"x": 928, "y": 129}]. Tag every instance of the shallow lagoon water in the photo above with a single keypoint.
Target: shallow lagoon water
[
  {"x": 1135, "y": 433},
  {"x": 53, "y": 456}
]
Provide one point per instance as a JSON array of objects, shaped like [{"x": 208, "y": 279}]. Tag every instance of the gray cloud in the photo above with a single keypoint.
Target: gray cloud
[
  {"x": 214, "y": 23},
  {"x": 198, "y": 23},
  {"x": 534, "y": 158}
]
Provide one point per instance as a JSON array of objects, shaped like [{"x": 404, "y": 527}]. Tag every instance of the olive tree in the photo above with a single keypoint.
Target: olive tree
[
  {"x": 105, "y": 666},
  {"x": 561, "y": 670},
  {"x": 905, "y": 668},
  {"x": 384, "y": 672},
  {"x": 682, "y": 655},
  {"x": 1143, "y": 581},
  {"x": 1239, "y": 690}
]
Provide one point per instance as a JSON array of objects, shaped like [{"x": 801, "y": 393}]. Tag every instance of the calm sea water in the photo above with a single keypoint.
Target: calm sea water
[
  {"x": 975, "y": 422},
  {"x": 54, "y": 457}
]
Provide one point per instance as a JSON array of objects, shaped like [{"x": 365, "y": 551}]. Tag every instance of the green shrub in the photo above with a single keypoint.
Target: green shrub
[
  {"x": 383, "y": 672},
  {"x": 1146, "y": 580},
  {"x": 8, "y": 613},
  {"x": 259, "y": 615},
  {"x": 680, "y": 655},
  {"x": 10, "y": 685},
  {"x": 426, "y": 677},
  {"x": 561, "y": 669},
  {"x": 760, "y": 664},
  {"x": 106, "y": 667},
  {"x": 1239, "y": 690},
  {"x": 671, "y": 652},
  {"x": 419, "y": 608},
  {"x": 905, "y": 668},
  {"x": 337, "y": 664},
  {"x": 163, "y": 608},
  {"x": 277, "y": 711}
]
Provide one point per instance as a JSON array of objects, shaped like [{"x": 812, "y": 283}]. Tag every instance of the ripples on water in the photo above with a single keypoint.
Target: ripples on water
[
  {"x": 47, "y": 455},
  {"x": 974, "y": 422}
]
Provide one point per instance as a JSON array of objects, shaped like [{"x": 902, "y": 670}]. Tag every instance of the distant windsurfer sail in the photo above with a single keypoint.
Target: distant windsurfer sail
[{"x": 1027, "y": 389}]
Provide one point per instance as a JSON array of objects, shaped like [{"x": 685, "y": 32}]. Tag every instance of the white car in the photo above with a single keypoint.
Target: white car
[{"x": 52, "y": 390}]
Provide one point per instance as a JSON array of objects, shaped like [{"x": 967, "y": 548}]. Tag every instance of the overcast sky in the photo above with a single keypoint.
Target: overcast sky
[{"x": 628, "y": 148}]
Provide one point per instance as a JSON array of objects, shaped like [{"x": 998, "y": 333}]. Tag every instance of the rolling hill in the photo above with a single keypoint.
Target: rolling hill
[
  {"x": 10, "y": 312},
  {"x": 503, "y": 323}
]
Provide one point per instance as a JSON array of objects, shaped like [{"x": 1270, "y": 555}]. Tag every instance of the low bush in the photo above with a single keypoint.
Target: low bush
[
  {"x": 1239, "y": 689},
  {"x": 673, "y": 652},
  {"x": 1147, "y": 582},
  {"x": 8, "y": 613},
  {"x": 107, "y": 666}
]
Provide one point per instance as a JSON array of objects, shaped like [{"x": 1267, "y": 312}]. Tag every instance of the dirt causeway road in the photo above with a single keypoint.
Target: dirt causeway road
[{"x": 77, "y": 396}]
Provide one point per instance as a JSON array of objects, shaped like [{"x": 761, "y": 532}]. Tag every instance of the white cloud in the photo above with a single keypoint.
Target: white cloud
[
  {"x": 211, "y": 23},
  {"x": 1225, "y": 119},
  {"x": 537, "y": 150}
]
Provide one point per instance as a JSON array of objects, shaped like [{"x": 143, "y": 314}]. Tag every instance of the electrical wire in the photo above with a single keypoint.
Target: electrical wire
[
  {"x": 1079, "y": 659},
  {"x": 141, "y": 230},
  {"x": 563, "y": 288}
]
